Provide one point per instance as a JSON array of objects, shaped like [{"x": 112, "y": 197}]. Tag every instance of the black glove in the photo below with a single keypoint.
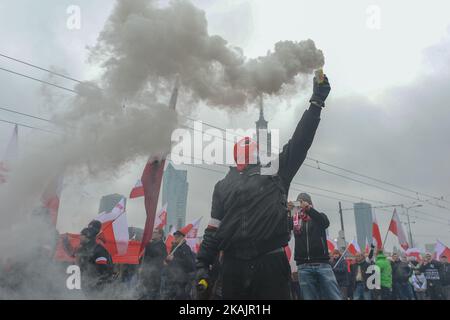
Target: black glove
[
  {"x": 202, "y": 283},
  {"x": 320, "y": 92}
]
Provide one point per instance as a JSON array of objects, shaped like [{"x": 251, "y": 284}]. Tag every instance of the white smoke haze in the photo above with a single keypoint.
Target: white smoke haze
[{"x": 142, "y": 42}]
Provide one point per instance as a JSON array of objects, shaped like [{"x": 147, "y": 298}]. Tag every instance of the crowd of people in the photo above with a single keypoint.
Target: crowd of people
[
  {"x": 243, "y": 251},
  {"x": 401, "y": 277},
  {"x": 317, "y": 274}
]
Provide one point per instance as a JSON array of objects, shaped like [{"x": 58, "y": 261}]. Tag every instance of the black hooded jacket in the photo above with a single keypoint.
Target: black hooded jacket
[
  {"x": 311, "y": 242},
  {"x": 249, "y": 215}
]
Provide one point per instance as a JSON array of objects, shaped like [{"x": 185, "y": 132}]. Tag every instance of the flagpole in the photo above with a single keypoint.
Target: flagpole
[
  {"x": 173, "y": 251},
  {"x": 384, "y": 242},
  {"x": 342, "y": 256}
]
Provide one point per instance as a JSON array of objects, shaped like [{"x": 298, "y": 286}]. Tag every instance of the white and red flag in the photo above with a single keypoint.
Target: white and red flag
[
  {"x": 51, "y": 197},
  {"x": 396, "y": 228},
  {"x": 354, "y": 248},
  {"x": 192, "y": 236},
  {"x": 138, "y": 190},
  {"x": 10, "y": 156},
  {"x": 191, "y": 229},
  {"x": 376, "y": 235},
  {"x": 367, "y": 249},
  {"x": 115, "y": 229},
  {"x": 331, "y": 245},
  {"x": 161, "y": 218},
  {"x": 414, "y": 252},
  {"x": 441, "y": 250},
  {"x": 194, "y": 244},
  {"x": 151, "y": 180}
]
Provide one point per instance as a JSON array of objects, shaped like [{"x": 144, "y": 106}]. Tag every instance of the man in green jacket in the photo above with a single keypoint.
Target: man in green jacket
[{"x": 385, "y": 276}]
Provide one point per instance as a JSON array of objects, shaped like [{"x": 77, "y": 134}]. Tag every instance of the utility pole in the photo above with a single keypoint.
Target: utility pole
[
  {"x": 341, "y": 238},
  {"x": 409, "y": 229},
  {"x": 340, "y": 213},
  {"x": 409, "y": 223}
]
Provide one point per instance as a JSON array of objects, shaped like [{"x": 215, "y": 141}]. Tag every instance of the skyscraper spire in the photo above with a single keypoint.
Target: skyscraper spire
[{"x": 261, "y": 123}]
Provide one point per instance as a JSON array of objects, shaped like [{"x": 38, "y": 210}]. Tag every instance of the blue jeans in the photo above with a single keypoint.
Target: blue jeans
[
  {"x": 405, "y": 291},
  {"x": 317, "y": 282},
  {"x": 360, "y": 292}
]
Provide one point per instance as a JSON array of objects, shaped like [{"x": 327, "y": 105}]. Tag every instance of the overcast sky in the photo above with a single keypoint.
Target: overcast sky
[{"x": 387, "y": 117}]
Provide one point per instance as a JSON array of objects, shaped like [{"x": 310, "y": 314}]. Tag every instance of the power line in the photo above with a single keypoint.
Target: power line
[
  {"x": 329, "y": 172},
  {"x": 27, "y": 126},
  {"x": 40, "y": 68},
  {"x": 26, "y": 115},
  {"x": 39, "y": 80},
  {"x": 378, "y": 180},
  {"x": 374, "y": 186}
]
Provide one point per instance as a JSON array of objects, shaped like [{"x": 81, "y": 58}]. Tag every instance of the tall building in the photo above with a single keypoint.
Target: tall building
[
  {"x": 174, "y": 193},
  {"x": 262, "y": 124},
  {"x": 108, "y": 202},
  {"x": 363, "y": 222}
]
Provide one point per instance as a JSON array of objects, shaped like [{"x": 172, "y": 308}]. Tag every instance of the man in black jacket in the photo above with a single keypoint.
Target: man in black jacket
[
  {"x": 180, "y": 268},
  {"x": 249, "y": 216},
  {"x": 444, "y": 274},
  {"x": 401, "y": 272},
  {"x": 340, "y": 269},
  {"x": 359, "y": 276},
  {"x": 152, "y": 265},
  {"x": 316, "y": 277},
  {"x": 95, "y": 264},
  {"x": 430, "y": 269}
]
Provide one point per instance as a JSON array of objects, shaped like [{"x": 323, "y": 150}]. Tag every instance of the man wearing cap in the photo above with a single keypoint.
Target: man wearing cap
[
  {"x": 152, "y": 265},
  {"x": 316, "y": 277},
  {"x": 249, "y": 217},
  {"x": 444, "y": 273},
  {"x": 180, "y": 266},
  {"x": 430, "y": 268},
  {"x": 95, "y": 263}
]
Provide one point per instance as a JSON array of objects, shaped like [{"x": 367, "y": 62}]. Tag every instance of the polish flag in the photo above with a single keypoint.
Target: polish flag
[
  {"x": 138, "y": 190},
  {"x": 151, "y": 180},
  {"x": 396, "y": 228},
  {"x": 115, "y": 229},
  {"x": 441, "y": 250},
  {"x": 191, "y": 237},
  {"x": 367, "y": 249},
  {"x": 376, "y": 235},
  {"x": 10, "y": 156},
  {"x": 194, "y": 244},
  {"x": 354, "y": 248},
  {"x": 414, "y": 252},
  {"x": 331, "y": 245},
  {"x": 51, "y": 197},
  {"x": 161, "y": 218},
  {"x": 191, "y": 229}
]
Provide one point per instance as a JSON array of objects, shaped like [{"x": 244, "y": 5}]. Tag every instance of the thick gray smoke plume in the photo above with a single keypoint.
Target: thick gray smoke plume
[
  {"x": 124, "y": 115},
  {"x": 142, "y": 43}
]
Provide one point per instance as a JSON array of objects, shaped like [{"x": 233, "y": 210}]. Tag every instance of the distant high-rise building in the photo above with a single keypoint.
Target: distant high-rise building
[
  {"x": 363, "y": 222},
  {"x": 108, "y": 202},
  {"x": 174, "y": 193}
]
